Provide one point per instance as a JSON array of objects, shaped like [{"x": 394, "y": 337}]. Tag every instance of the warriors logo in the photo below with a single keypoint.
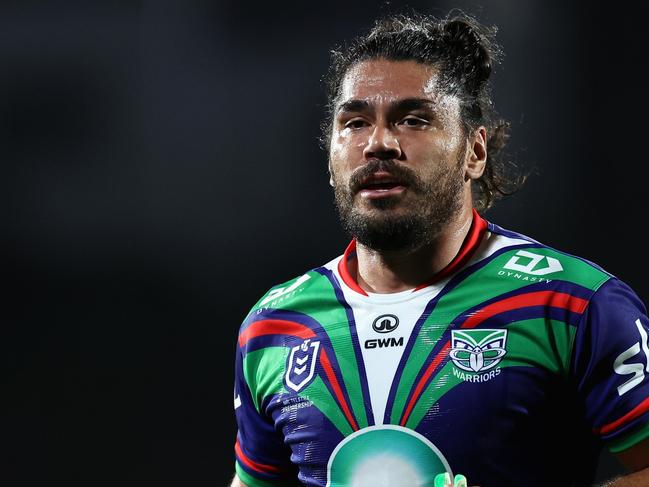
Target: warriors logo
[{"x": 477, "y": 350}]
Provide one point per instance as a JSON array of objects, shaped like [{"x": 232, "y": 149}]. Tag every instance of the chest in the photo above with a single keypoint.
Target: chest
[{"x": 400, "y": 378}]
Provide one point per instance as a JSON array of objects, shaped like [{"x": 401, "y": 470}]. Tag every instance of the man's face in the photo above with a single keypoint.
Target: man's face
[{"x": 397, "y": 155}]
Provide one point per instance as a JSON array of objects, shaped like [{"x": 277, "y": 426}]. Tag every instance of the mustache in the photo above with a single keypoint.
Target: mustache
[{"x": 400, "y": 173}]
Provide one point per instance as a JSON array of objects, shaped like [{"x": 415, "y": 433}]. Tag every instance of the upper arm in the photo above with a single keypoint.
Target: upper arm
[
  {"x": 611, "y": 367},
  {"x": 236, "y": 482},
  {"x": 635, "y": 458},
  {"x": 262, "y": 456}
]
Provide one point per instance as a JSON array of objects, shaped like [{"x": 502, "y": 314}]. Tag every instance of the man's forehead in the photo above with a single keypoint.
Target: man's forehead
[{"x": 381, "y": 81}]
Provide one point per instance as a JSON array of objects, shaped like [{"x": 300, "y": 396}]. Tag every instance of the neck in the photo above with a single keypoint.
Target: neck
[{"x": 390, "y": 272}]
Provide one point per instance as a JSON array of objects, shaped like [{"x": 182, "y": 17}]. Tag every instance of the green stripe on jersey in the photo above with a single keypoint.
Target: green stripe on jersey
[
  {"x": 260, "y": 369},
  {"x": 540, "y": 343},
  {"x": 321, "y": 304},
  {"x": 429, "y": 335},
  {"x": 264, "y": 371},
  {"x": 571, "y": 269},
  {"x": 629, "y": 439},
  {"x": 321, "y": 398}
]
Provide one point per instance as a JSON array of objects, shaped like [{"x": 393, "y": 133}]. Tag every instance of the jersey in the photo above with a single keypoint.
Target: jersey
[{"x": 514, "y": 366}]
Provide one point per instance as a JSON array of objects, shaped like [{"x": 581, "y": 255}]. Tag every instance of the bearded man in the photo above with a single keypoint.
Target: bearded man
[{"x": 438, "y": 343}]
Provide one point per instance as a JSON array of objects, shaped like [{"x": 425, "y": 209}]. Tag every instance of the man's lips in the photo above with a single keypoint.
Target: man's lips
[
  {"x": 376, "y": 193},
  {"x": 381, "y": 185}
]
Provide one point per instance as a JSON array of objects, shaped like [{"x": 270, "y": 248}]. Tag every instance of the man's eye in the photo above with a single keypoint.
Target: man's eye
[
  {"x": 413, "y": 122},
  {"x": 355, "y": 124}
]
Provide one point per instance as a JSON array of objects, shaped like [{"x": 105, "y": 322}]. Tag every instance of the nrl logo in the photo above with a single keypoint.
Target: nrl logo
[
  {"x": 301, "y": 364},
  {"x": 477, "y": 351}
]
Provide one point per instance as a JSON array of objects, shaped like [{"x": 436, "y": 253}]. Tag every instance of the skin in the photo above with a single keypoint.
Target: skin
[{"x": 424, "y": 140}]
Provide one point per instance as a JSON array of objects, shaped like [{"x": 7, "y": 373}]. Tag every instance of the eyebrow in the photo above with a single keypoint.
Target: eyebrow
[{"x": 406, "y": 104}]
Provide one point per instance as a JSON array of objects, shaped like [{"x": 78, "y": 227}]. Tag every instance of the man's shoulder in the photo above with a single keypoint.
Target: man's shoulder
[
  {"x": 520, "y": 256},
  {"x": 295, "y": 293}
]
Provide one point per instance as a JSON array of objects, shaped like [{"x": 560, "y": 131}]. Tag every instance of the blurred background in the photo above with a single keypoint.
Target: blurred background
[{"x": 161, "y": 171}]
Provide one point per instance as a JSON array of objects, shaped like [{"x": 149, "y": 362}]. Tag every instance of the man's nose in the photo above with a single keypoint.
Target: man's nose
[{"x": 382, "y": 144}]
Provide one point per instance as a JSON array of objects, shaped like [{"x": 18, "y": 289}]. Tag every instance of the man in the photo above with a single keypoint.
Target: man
[{"x": 437, "y": 343}]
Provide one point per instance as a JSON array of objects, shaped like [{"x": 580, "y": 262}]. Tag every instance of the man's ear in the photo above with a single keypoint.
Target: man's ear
[
  {"x": 331, "y": 176},
  {"x": 476, "y": 159}
]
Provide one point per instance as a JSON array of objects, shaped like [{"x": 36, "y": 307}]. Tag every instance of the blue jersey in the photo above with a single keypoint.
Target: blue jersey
[{"x": 513, "y": 367}]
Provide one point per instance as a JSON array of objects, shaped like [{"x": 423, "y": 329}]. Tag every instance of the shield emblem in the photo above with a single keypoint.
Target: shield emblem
[
  {"x": 301, "y": 364},
  {"x": 477, "y": 350}
]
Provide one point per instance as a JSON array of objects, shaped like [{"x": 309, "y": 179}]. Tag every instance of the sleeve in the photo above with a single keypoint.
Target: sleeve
[
  {"x": 262, "y": 458},
  {"x": 611, "y": 365}
]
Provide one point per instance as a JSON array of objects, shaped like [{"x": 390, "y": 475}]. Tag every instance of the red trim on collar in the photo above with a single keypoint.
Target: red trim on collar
[
  {"x": 350, "y": 253},
  {"x": 470, "y": 244}
]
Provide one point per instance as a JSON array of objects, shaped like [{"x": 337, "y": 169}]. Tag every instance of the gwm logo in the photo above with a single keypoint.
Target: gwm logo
[
  {"x": 301, "y": 364},
  {"x": 384, "y": 342},
  {"x": 477, "y": 352},
  {"x": 535, "y": 264},
  {"x": 385, "y": 323}
]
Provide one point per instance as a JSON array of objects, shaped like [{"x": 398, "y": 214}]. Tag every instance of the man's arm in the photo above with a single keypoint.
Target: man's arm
[
  {"x": 262, "y": 456},
  {"x": 236, "y": 482},
  {"x": 636, "y": 460}
]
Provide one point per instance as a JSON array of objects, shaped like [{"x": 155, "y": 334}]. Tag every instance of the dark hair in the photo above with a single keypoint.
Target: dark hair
[{"x": 465, "y": 52}]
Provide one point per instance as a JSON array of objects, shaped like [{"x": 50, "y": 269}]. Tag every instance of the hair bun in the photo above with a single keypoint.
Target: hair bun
[{"x": 468, "y": 44}]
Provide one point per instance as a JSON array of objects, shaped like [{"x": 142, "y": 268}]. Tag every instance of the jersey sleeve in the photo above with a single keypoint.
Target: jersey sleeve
[
  {"x": 262, "y": 458},
  {"x": 611, "y": 365}
]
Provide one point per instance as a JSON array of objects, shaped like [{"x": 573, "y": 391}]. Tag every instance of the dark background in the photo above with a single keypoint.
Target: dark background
[{"x": 161, "y": 171}]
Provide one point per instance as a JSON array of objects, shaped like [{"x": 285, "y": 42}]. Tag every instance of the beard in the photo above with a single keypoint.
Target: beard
[{"x": 407, "y": 222}]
